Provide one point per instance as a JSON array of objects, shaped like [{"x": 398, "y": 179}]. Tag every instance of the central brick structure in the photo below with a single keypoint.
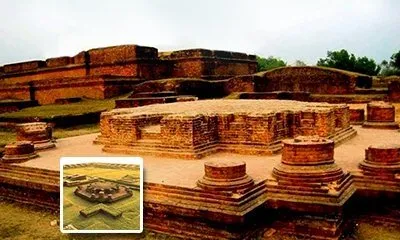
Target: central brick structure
[
  {"x": 103, "y": 192},
  {"x": 196, "y": 129},
  {"x": 381, "y": 115}
]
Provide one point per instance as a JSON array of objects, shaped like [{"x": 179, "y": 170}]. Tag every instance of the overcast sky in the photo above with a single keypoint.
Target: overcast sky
[{"x": 291, "y": 30}]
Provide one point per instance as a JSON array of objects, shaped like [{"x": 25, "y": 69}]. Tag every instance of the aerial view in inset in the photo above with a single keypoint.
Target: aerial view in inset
[{"x": 101, "y": 196}]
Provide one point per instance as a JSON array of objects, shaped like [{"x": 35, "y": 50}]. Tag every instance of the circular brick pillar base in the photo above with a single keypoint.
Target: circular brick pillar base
[
  {"x": 307, "y": 161},
  {"x": 380, "y": 115},
  {"x": 225, "y": 176},
  {"x": 19, "y": 151},
  {"x": 39, "y": 133},
  {"x": 381, "y": 160}
]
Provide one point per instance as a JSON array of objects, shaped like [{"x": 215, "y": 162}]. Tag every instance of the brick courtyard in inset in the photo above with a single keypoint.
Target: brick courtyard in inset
[{"x": 103, "y": 197}]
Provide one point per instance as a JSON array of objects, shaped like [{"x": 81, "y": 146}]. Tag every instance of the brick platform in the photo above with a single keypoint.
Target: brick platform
[
  {"x": 18, "y": 152},
  {"x": 380, "y": 115},
  {"x": 380, "y": 170},
  {"x": 309, "y": 183},
  {"x": 199, "y": 128},
  {"x": 29, "y": 185},
  {"x": 308, "y": 174},
  {"x": 39, "y": 133},
  {"x": 174, "y": 204}
]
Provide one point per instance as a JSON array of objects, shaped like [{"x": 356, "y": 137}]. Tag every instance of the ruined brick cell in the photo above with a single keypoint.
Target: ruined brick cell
[
  {"x": 381, "y": 115},
  {"x": 198, "y": 128}
]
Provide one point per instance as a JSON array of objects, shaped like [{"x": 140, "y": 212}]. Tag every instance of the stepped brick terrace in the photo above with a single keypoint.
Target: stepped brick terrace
[
  {"x": 166, "y": 175},
  {"x": 239, "y": 182},
  {"x": 198, "y": 128}
]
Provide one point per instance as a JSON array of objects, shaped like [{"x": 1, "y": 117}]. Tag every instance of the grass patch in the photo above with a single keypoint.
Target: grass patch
[
  {"x": 8, "y": 136},
  {"x": 55, "y": 110},
  {"x": 76, "y": 130},
  {"x": 23, "y": 222}
]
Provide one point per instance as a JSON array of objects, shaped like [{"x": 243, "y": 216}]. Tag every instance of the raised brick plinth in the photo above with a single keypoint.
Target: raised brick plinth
[
  {"x": 357, "y": 116},
  {"x": 381, "y": 160},
  {"x": 198, "y": 128},
  {"x": 19, "y": 151},
  {"x": 308, "y": 175},
  {"x": 103, "y": 192},
  {"x": 308, "y": 160},
  {"x": 380, "y": 115},
  {"x": 225, "y": 176},
  {"x": 39, "y": 133},
  {"x": 380, "y": 170}
]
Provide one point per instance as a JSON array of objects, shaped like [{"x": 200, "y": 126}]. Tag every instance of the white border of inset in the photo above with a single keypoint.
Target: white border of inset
[{"x": 116, "y": 160}]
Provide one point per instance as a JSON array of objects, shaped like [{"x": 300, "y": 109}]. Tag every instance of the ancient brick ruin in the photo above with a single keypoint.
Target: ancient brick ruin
[
  {"x": 308, "y": 181},
  {"x": 102, "y": 192},
  {"x": 313, "y": 80},
  {"x": 357, "y": 116},
  {"x": 380, "y": 170},
  {"x": 225, "y": 176},
  {"x": 39, "y": 133},
  {"x": 199, "y": 128},
  {"x": 380, "y": 115},
  {"x": 106, "y": 72},
  {"x": 18, "y": 152}
]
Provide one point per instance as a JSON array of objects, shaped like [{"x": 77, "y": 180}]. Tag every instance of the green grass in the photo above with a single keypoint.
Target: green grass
[
  {"x": 76, "y": 130},
  {"x": 54, "y": 110},
  {"x": 23, "y": 222},
  {"x": 8, "y": 136},
  {"x": 128, "y": 206}
]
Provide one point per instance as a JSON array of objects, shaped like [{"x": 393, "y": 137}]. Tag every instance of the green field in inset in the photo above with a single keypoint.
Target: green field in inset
[{"x": 130, "y": 207}]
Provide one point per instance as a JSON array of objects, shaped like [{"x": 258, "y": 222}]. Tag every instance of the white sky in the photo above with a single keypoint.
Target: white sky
[{"x": 305, "y": 30}]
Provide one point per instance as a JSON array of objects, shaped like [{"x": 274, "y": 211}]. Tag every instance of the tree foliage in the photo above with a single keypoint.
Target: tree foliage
[
  {"x": 392, "y": 67},
  {"x": 395, "y": 60},
  {"x": 264, "y": 64},
  {"x": 348, "y": 61},
  {"x": 299, "y": 63}
]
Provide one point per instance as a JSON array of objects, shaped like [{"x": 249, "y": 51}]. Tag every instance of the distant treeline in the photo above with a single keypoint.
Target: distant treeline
[{"x": 344, "y": 60}]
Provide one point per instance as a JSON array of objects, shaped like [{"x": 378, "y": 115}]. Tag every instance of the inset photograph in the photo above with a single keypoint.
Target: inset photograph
[{"x": 101, "y": 195}]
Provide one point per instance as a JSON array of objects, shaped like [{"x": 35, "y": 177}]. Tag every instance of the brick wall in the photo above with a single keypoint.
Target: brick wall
[
  {"x": 394, "y": 91},
  {"x": 310, "y": 79},
  {"x": 127, "y": 61}
]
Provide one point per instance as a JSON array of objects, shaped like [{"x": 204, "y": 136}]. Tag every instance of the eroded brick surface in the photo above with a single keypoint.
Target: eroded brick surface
[
  {"x": 380, "y": 115},
  {"x": 195, "y": 129}
]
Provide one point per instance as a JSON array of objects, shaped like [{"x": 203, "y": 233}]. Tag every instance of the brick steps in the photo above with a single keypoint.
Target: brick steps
[
  {"x": 343, "y": 135},
  {"x": 190, "y": 202},
  {"x": 30, "y": 177}
]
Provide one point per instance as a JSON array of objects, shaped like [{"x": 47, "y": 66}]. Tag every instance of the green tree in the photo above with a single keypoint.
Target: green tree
[
  {"x": 264, "y": 64},
  {"x": 395, "y": 60},
  {"x": 348, "y": 61},
  {"x": 392, "y": 67},
  {"x": 366, "y": 66},
  {"x": 299, "y": 63},
  {"x": 338, "y": 59}
]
